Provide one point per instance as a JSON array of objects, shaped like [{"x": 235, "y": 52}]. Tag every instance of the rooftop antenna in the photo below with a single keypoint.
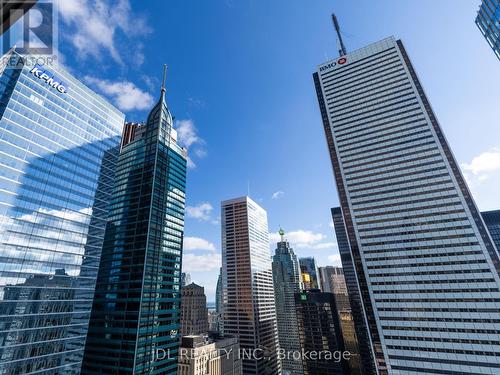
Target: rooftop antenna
[
  {"x": 342, "y": 50},
  {"x": 282, "y": 234},
  {"x": 164, "y": 78}
]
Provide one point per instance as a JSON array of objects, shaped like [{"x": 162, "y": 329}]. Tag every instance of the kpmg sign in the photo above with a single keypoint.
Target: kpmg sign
[
  {"x": 340, "y": 61},
  {"x": 50, "y": 79}
]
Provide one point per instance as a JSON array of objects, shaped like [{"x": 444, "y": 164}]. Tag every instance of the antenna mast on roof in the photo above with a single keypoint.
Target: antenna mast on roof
[
  {"x": 163, "y": 89},
  {"x": 342, "y": 50}
]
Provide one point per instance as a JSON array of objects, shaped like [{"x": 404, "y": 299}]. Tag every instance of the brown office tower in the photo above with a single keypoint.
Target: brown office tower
[{"x": 194, "y": 313}]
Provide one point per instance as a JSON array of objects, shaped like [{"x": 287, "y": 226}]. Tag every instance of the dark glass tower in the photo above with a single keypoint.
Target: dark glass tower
[
  {"x": 488, "y": 21},
  {"x": 135, "y": 314},
  {"x": 492, "y": 221},
  {"x": 309, "y": 273},
  {"x": 320, "y": 332},
  {"x": 286, "y": 277},
  {"x": 366, "y": 356},
  {"x": 218, "y": 294}
]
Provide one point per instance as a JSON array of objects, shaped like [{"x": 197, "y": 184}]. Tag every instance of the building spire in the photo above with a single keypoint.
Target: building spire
[
  {"x": 163, "y": 89},
  {"x": 342, "y": 50},
  {"x": 282, "y": 234}
]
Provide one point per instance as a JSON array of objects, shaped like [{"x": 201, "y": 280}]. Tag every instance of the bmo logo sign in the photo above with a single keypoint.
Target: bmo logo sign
[{"x": 340, "y": 61}]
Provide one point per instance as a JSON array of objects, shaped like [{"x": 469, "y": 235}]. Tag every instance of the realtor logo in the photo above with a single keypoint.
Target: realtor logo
[{"x": 30, "y": 26}]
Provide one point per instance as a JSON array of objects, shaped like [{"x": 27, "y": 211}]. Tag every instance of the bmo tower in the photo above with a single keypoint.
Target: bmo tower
[{"x": 427, "y": 271}]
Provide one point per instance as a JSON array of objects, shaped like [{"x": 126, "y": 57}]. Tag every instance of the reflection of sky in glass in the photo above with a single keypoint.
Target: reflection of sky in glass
[
  {"x": 488, "y": 20},
  {"x": 57, "y": 160}
]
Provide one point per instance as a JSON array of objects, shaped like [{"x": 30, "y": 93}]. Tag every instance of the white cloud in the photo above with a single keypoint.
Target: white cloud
[
  {"x": 187, "y": 136},
  {"x": 201, "y": 211},
  {"x": 200, "y": 153},
  {"x": 126, "y": 95},
  {"x": 480, "y": 169},
  {"x": 486, "y": 162},
  {"x": 277, "y": 194},
  {"x": 95, "y": 24},
  {"x": 190, "y": 163},
  {"x": 482, "y": 175},
  {"x": 196, "y": 102},
  {"x": 200, "y": 263},
  {"x": 335, "y": 260},
  {"x": 197, "y": 243},
  {"x": 325, "y": 245},
  {"x": 299, "y": 238},
  {"x": 187, "y": 133},
  {"x": 304, "y": 239}
]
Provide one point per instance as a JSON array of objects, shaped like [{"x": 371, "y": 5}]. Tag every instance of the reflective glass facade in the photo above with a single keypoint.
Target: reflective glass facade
[
  {"x": 488, "y": 21},
  {"x": 58, "y": 153},
  {"x": 247, "y": 279},
  {"x": 135, "y": 321},
  {"x": 363, "y": 343},
  {"x": 492, "y": 221},
  {"x": 309, "y": 271},
  {"x": 286, "y": 276},
  {"x": 332, "y": 281},
  {"x": 426, "y": 268},
  {"x": 320, "y": 332}
]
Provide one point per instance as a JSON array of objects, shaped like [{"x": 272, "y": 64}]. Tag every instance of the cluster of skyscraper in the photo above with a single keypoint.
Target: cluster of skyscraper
[{"x": 92, "y": 222}]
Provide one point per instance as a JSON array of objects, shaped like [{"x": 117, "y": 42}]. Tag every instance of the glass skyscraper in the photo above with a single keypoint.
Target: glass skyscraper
[
  {"x": 364, "y": 356},
  {"x": 320, "y": 333},
  {"x": 185, "y": 279},
  {"x": 286, "y": 276},
  {"x": 492, "y": 221},
  {"x": 247, "y": 282},
  {"x": 427, "y": 270},
  {"x": 135, "y": 321},
  {"x": 488, "y": 21},
  {"x": 309, "y": 273},
  {"x": 59, "y": 143},
  {"x": 219, "y": 304},
  {"x": 332, "y": 281}
]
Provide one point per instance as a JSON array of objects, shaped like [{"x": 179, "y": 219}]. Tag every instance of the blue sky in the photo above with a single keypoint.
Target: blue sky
[{"x": 240, "y": 86}]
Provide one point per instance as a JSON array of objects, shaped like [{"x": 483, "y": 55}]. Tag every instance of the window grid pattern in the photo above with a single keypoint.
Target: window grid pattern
[
  {"x": 58, "y": 154},
  {"x": 249, "y": 310},
  {"x": 413, "y": 229}
]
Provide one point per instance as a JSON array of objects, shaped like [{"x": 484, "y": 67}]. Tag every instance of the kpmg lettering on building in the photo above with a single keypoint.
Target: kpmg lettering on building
[
  {"x": 50, "y": 79},
  {"x": 340, "y": 61}
]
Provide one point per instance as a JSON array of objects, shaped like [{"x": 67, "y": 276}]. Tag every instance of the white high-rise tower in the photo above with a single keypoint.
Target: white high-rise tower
[
  {"x": 248, "y": 292},
  {"x": 427, "y": 270}
]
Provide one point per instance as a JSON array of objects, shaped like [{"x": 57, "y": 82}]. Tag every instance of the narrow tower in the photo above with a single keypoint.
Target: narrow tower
[
  {"x": 286, "y": 276},
  {"x": 194, "y": 312},
  {"x": 248, "y": 292},
  {"x": 135, "y": 315}
]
